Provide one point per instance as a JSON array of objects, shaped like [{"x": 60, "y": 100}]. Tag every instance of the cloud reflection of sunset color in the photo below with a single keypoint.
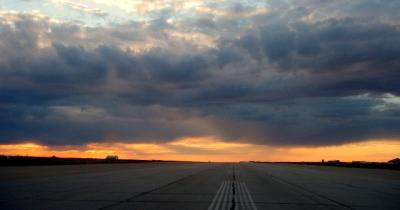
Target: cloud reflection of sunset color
[{"x": 209, "y": 149}]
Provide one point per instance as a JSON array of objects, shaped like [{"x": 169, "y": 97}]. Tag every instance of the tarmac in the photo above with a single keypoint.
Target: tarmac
[{"x": 197, "y": 186}]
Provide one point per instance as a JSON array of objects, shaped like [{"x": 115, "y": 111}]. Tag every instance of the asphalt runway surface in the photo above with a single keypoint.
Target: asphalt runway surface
[{"x": 197, "y": 186}]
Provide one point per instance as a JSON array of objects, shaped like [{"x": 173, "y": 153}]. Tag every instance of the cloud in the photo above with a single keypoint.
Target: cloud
[
  {"x": 289, "y": 76},
  {"x": 210, "y": 149},
  {"x": 82, "y": 8}
]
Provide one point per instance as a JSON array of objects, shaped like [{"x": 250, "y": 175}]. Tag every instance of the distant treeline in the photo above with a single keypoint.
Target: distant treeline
[
  {"x": 376, "y": 165},
  {"x": 28, "y": 160}
]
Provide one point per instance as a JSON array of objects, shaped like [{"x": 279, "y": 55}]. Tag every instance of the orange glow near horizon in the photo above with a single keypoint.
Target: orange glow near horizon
[{"x": 211, "y": 149}]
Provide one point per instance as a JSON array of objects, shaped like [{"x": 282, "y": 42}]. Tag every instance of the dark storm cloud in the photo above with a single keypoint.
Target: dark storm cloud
[
  {"x": 287, "y": 80},
  {"x": 342, "y": 56},
  {"x": 317, "y": 121}
]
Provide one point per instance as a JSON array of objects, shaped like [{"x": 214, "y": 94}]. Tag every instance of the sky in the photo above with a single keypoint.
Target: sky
[{"x": 289, "y": 80}]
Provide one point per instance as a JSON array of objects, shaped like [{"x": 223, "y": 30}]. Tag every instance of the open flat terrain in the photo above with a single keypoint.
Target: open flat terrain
[{"x": 197, "y": 186}]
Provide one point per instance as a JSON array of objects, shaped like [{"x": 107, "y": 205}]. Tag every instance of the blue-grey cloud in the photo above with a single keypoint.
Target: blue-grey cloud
[{"x": 299, "y": 77}]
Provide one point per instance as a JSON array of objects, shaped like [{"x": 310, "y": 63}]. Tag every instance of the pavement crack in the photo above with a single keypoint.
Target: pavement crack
[
  {"x": 155, "y": 189},
  {"x": 304, "y": 189},
  {"x": 233, "y": 206}
]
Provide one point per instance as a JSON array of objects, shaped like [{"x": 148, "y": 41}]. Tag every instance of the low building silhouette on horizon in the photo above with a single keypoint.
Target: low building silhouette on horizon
[
  {"x": 395, "y": 161},
  {"x": 112, "y": 157}
]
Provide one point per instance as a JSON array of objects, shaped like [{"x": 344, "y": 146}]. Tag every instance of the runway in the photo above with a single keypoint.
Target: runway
[{"x": 197, "y": 186}]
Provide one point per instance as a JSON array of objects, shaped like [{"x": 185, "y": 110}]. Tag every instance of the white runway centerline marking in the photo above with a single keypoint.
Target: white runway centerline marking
[{"x": 223, "y": 197}]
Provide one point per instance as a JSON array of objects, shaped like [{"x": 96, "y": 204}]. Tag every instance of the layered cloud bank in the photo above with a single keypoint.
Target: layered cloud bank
[{"x": 269, "y": 73}]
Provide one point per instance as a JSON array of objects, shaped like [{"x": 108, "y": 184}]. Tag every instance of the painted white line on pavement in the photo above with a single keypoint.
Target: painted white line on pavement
[
  {"x": 250, "y": 199},
  {"x": 218, "y": 196},
  {"x": 223, "y": 197}
]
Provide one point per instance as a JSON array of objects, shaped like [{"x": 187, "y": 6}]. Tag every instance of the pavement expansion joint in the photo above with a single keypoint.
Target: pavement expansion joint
[
  {"x": 132, "y": 199},
  {"x": 77, "y": 200},
  {"x": 165, "y": 201}
]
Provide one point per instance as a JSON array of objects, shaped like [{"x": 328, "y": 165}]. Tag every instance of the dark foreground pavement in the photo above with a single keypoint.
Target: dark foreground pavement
[{"x": 197, "y": 186}]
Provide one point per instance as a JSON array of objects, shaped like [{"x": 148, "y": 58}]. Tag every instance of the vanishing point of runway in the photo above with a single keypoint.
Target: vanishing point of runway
[{"x": 197, "y": 186}]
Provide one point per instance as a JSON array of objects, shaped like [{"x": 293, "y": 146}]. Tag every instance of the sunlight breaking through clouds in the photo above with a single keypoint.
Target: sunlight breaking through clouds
[{"x": 210, "y": 149}]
